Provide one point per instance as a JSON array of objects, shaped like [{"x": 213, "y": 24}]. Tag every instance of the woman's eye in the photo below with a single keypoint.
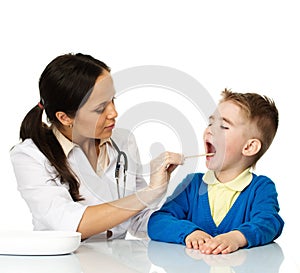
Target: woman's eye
[{"x": 99, "y": 111}]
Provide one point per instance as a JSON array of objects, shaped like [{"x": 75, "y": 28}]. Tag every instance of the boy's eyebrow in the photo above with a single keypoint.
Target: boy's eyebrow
[
  {"x": 212, "y": 118},
  {"x": 227, "y": 121}
]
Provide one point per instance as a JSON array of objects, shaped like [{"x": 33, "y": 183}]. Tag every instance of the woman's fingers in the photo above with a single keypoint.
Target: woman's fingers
[
  {"x": 161, "y": 168},
  {"x": 166, "y": 161}
]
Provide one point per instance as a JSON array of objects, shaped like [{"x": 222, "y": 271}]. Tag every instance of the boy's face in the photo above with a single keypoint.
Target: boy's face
[{"x": 226, "y": 136}]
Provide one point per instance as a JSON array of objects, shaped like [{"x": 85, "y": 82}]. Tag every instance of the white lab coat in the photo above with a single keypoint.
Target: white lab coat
[{"x": 51, "y": 204}]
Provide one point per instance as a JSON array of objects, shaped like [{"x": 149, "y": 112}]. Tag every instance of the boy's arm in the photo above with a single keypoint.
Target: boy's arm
[
  {"x": 169, "y": 224},
  {"x": 265, "y": 224}
]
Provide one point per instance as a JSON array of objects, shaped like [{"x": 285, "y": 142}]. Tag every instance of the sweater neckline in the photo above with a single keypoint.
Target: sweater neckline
[{"x": 228, "y": 216}]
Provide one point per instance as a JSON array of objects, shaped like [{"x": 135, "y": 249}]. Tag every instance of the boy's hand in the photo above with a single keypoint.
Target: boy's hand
[
  {"x": 224, "y": 243},
  {"x": 196, "y": 239}
]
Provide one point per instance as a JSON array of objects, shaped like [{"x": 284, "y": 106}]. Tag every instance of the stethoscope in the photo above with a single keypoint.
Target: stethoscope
[{"x": 118, "y": 166}]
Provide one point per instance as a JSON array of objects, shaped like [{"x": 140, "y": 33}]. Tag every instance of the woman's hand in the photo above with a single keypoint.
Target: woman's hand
[{"x": 162, "y": 167}]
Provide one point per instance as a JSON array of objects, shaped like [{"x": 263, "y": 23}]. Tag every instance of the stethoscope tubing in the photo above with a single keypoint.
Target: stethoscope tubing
[{"x": 118, "y": 166}]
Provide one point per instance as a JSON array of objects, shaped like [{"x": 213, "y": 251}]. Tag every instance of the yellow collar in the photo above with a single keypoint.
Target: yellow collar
[
  {"x": 237, "y": 184},
  {"x": 68, "y": 145}
]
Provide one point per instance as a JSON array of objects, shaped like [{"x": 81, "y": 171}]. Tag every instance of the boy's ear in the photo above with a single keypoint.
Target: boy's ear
[
  {"x": 252, "y": 147},
  {"x": 64, "y": 118}
]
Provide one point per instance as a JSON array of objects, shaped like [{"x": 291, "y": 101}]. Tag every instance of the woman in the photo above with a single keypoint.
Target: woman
[{"x": 66, "y": 171}]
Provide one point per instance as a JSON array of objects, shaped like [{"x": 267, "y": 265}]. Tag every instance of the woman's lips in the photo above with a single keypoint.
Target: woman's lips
[{"x": 110, "y": 127}]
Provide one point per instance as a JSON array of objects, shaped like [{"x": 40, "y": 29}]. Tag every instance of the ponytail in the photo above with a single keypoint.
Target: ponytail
[{"x": 41, "y": 134}]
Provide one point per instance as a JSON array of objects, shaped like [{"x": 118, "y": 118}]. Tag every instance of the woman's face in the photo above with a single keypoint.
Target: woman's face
[{"x": 96, "y": 118}]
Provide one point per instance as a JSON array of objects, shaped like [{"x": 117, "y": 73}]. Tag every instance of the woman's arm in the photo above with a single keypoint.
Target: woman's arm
[
  {"x": 99, "y": 218},
  {"x": 102, "y": 217},
  {"x": 52, "y": 206}
]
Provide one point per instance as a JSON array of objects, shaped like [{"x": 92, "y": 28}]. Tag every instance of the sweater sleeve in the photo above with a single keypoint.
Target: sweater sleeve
[
  {"x": 169, "y": 224},
  {"x": 265, "y": 224}
]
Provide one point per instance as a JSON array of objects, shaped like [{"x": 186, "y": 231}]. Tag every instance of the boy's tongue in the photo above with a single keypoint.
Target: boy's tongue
[{"x": 210, "y": 148}]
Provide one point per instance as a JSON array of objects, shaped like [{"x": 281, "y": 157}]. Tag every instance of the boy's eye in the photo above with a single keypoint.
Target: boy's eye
[{"x": 224, "y": 127}]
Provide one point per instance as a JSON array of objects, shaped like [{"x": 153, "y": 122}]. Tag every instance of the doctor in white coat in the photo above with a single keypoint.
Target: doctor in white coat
[{"x": 72, "y": 170}]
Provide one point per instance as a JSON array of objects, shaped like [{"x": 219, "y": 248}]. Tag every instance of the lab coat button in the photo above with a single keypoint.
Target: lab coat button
[{"x": 108, "y": 234}]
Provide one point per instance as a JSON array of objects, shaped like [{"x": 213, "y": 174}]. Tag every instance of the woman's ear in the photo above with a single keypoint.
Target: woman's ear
[
  {"x": 64, "y": 119},
  {"x": 252, "y": 147}
]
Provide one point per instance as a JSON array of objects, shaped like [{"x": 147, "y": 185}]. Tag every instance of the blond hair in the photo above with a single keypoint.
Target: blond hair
[{"x": 260, "y": 110}]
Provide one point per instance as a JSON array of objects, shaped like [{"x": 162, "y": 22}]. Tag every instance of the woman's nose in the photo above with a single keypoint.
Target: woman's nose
[{"x": 111, "y": 111}]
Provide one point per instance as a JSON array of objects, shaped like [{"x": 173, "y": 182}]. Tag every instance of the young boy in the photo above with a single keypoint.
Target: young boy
[{"x": 228, "y": 207}]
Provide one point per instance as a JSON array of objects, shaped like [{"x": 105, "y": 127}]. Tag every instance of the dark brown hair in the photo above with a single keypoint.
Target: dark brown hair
[{"x": 64, "y": 85}]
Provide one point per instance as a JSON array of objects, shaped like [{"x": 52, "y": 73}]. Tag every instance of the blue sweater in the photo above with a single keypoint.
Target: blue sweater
[{"x": 254, "y": 213}]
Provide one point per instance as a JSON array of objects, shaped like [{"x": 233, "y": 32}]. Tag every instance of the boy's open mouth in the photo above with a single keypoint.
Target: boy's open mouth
[{"x": 210, "y": 149}]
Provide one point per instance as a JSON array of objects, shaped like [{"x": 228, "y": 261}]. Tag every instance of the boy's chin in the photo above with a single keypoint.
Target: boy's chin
[{"x": 212, "y": 167}]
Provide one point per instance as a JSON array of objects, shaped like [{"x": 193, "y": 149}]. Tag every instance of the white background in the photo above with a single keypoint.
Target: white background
[{"x": 243, "y": 45}]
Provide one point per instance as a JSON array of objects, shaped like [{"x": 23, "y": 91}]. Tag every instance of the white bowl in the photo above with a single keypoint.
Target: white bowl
[{"x": 38, "y": 242}]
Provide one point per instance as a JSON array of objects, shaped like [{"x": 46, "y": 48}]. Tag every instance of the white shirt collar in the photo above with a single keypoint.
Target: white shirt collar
[
  {"x": 67, "y": 145},
  {"x": 237, "y": 184}
]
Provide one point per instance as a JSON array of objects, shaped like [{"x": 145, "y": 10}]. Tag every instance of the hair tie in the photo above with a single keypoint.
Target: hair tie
[{"x": 41, "y": 106}]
